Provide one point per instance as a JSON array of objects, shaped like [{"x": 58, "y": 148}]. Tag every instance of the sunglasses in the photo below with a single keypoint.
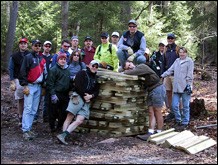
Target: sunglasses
[
  {"x": 170, "y": 38},
  {"x": 47, "y": 46},
  {"x": 95, "y": 66},
  {"x": 37, "y": 45},
  {"x": 76, "y": 55},
  {"x": 132, "y": 26},
  {"x": 66, "y": 46}
]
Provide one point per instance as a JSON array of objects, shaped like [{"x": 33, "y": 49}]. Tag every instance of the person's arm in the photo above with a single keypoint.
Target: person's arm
[
  {"x": 11, "y": 69},
  {"x": 120, "y": 44},
  {"x": 169, "y": 71},
  {"x": 190, "y": 72},
  {"x": 142, "y": 48},
  {"x": 115, "y": 58}
]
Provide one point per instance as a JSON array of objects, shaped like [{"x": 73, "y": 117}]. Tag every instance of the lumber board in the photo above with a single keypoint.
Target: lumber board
[
  {"x": 179, "y": 137},
  {"x": 200, "y": 146},
  {"x": 161, "y": 139},
  {"x": 116, "y": 74},
  {"x": 162, "y": 133}
]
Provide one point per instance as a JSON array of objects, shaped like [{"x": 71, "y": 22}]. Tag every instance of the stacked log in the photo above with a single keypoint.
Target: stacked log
[{"x": 120, "y": 109}]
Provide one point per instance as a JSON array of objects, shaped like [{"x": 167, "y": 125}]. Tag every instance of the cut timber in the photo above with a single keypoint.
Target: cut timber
[
  {"x": 161, "y": 139},
  {"x": 117, "y": 74},
  {"x": 191, "y": 142},
  {"x": 162, "y": 133},
  {"x": 200, "y": 146},
  {"x": 179, "y": 137}
]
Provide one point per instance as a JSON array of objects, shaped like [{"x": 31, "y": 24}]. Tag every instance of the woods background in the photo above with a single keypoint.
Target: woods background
[{"x": 194, "y": 23}]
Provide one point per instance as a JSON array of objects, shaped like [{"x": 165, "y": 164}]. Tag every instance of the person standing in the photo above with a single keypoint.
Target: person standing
[
  {"x": 182, "y": 68},
  {"x": 170, "y": 56},
  {"x": 31, "y": 78},
  {"x": 86, "y": 89},
  {"x": 106, "y": 55},
  {"x": 58, "y": 86},
  {"x": 74, "y": 45},
  {"x": 15, "y": 62},
  {"x": 132, "y": 45},
  {"x": 155, "y": 98},
  {"x": 88, "y": 51},
  {"x": 115, "y": 36}
]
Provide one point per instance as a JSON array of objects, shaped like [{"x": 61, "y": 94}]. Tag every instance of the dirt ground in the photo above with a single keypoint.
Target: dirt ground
[{"x": 92, "y": 148}]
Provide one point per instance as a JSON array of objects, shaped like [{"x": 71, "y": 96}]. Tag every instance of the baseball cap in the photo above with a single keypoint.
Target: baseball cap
[
  {"x": 61, "y": 55},
  {"x": 104, "y": 34},
  {"x": 36, "y": 42},
  {"x": 93, "y": 62},
  {"x": 23, "y": 40},
  {"x": 47, "y": 42},
  {"x": 74, "y": 38},
  {"x": 162, "y": 43},
  {"x": 133, "y": 22},
  {"x": 115, "y": 34},
  {"x": 171, "y": 35},
  {"x": 88, "y": 38}
]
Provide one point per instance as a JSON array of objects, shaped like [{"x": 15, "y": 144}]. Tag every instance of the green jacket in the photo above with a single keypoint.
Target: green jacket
[{"x": 105, "y": 55}]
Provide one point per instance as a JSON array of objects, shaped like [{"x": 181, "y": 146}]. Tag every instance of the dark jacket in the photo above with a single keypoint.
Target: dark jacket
[
  {"x": 15, "y": 63},
  {"x": 58, "y": 80},
  {"x": 151, "y": 81},
  {"x": 86, "y": 82},
  {"x": 32, "y": 69},
  {"x": 157, "y": 62}
]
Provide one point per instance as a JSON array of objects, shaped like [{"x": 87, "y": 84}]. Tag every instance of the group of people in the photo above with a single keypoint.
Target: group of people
[{"x": 67, "y": 80}]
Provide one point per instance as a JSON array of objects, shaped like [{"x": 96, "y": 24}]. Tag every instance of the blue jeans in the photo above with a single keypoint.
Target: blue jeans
[
  {"x": 31, "y": 103},
  {"x": 123, "y": 55},
  {"x": 184, "y": 118}
]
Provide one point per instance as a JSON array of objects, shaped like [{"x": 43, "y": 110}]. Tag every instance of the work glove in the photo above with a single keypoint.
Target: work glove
[
  {"x": 54, "y": 99},
  {"x": 26, "y": 90},
  {"x": 188, "y": 89},
  {"x": 12, "y": 86},
  {"x": 103, "y": 65},
  {"x": 129, "y": 51},
  {"x": 131, "y": 58}
]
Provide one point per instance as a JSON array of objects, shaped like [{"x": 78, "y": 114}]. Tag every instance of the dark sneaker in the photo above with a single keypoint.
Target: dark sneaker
[
  {"x": 169, "y": 117},
  {"x": 145, "y": 136},
  {"x": 27, "y": 135},
  {"x": 182, "y": 127},
  {"x": 61, "y": 139}
]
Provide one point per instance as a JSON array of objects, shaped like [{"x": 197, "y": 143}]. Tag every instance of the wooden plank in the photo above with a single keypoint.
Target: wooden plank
[
  {"x": 161, "y": 139},
  {"x": 116, "y": 74},
  {"x": 162, "y": 133},
  {"x": 200, "y": 146},
  {"x": 179, "y": 137}
]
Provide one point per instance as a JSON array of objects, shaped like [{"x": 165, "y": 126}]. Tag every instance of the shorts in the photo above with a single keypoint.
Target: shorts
[
  {"x": 157, "y": 96},
  {"x": 80, "y": 109},
  {"x": 168, "y": 82},
  {"x": 18, "y": 94}
]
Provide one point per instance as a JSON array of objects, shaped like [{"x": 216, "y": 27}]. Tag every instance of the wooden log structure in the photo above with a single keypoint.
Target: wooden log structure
[{"x": 120, "y": 109}]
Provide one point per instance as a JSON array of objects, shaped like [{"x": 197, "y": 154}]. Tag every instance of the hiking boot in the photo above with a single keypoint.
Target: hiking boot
[
  {"x": 27, "y": 135},
  {"x": 182, "y": 127},
  {"x": 61, "y": 138},
  {"x": 145, "y": 136},
  {"x": 169, "y": 117}
]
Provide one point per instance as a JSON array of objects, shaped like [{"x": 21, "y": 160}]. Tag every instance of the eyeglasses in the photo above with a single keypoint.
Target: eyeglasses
[
  {"x": 66, "y": 46},
  {"x": 47, "y": 46},
  {"x": 132, "y": 26},
  {"x": 37, "y": 45},
  {"x": 95, "y": 66},
  {"x": 170, "y": 38},
  {"x": 76, "y": 55}
]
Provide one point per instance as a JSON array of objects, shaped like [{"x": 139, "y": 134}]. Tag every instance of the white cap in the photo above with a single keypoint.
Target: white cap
[
  {"x": 115, "y": 34},
  {"x": 94, "y": 62},
  {"x": 162, "y": 42},
  {"x": 47, "y": 42}
]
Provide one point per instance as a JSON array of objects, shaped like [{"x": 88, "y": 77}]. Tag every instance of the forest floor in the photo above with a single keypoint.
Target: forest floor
[{"x": 90, "y": 148}]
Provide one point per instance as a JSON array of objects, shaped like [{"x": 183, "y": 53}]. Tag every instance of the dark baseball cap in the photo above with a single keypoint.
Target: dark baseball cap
[
  {"x": 133, "y": 22},
  {"x": 88, "y": 38},
  {"x": 171, "y": 35},
  {"x": 36, "y": 42},
  {"x": 104, "y": 34}
]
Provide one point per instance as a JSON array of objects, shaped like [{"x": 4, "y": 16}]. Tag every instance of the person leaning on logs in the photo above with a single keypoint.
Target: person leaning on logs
[{"x": 156, "y": 95}]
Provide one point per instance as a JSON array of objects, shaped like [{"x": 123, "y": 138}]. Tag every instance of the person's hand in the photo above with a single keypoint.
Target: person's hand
[
  {"x": 87, "y": 97},
  {"x": 54, "y": 99},
  {"x": 129, "y": 51},
  {"x": 188, "y": 89},
  {"x": 12, "y": 86},
  {"x": 26, "y": 90},
  {"x": 131, "y": 58}
]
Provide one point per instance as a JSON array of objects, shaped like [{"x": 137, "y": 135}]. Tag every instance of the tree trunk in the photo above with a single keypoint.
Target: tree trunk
[
  {"x": 11, "y": 33},
  {"x": 64, "y": 14}
]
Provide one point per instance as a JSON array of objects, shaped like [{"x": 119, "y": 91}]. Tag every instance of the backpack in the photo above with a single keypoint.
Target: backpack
[{"x": 109, "y": 49}]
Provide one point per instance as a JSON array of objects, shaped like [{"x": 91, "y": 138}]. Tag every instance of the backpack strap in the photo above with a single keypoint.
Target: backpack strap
[{"x": 109, "y": 49}]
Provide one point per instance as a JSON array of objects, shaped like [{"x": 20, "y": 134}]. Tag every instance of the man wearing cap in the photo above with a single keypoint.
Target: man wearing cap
[
  {"x": 15, "y": 62},
  {"x": 86, "y": 88},
  {"x": 105, "y": 54},
  {"x": 58, "y": 86},
  {"x": 31, "y": 77},
  {"x": 65, "y": 45},
  {"x": 170, "y": 56},
  {"x": 132, "y": 45},
  {"x": 157, "y": 59},
  {"x": 74, "y": 45},
  {"x": 115, "y": 36},
  {"x": 88, "y": 51}
]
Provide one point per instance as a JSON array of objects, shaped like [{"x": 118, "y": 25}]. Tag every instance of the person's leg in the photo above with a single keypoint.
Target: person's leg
[
  {"x": 159, "y": 118},
  {"x": 175, "y": 107},
  {"x": 122, "y": 56},
  {"x": 68, "y": 120},
  {"x": 186, "y": 108},
  {"x": 152, "y": 120},
  {"x": 140, "y": 60}
]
